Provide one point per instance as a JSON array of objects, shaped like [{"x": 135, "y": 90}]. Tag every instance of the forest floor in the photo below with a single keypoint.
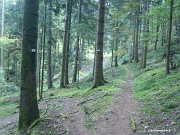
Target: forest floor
[
  {"x": 65, "y": 116},
  {"x": 118, "y": 119},
  {"x": 108, "y": 110}
]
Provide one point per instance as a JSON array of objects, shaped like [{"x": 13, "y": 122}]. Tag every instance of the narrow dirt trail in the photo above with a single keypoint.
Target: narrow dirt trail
[
  {"x": 118, "y": 119},
  {"x": 66, "y": 117}
]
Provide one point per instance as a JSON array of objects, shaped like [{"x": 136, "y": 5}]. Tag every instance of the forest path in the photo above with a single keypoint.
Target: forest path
[
  {"x": 65, "y": 116},
  {"x": 118, "y": 119}
]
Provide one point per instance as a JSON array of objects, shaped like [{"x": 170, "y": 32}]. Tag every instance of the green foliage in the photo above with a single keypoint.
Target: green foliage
[
  {"x": 69, "y": 92},
  {"x": 158, "y": 92},
  {"x": 9, "y": 93},
  {"x": 124, "y": 58},
  {"x": 169, "y": 106},
  {"x": 94, "y": 102},
  {"x": 154, "y": 86},
  {"x": 7, "y": 109},
  {"x": 6, "y": 41},
  {"x": 8, "y": 87},
  {"x": 133, "y": 125},
  {"x": 177, "y": 118},
  {"x": 2, "y": 79},
  {"x": 83, "y": 27}
]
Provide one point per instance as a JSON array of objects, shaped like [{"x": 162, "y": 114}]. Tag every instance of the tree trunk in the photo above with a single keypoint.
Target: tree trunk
[
  {"x": 98, "y": 78},
  {"x": 28, "y": 111},
  {"x": 116, "y": 47},
  {"x": 43, "y": 51},
  {"x": 152, "y": 30},
  {"x": 82, "y": 53},
  {"x": 137, "y": 37},
  {"x": 40, "y": 59},
  {"x": 7, "y": 78},
  {"x": 162, "y": 37},
  {"x": 77, "y": 47},
  {"x": 116, "y": 54},
  {"x": 68, "y": 43},
  {"x": 94, "y": 60},
  {"x": 133, "y": 45},
  {"x": 169, "y": 38},
  {"x": 49, "y": 34},
  {"x": 112, "y": 53},
  {"x": 2, "y": 33},
  {"x": 64, "y": 54},
  {"x": 142, "y": 57},
  {"x": 146, "y": 30},
  {"x": 178, "y": 30},
  {"x": 156, "y": 41}
]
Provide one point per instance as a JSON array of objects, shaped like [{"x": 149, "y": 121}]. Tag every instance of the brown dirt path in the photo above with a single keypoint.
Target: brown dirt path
[
  {"x": 118, "y": 119},
  {"x": 65, "y": 117}
]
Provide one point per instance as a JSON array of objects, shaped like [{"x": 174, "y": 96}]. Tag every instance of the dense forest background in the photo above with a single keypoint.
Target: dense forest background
[
  {"x": 140, "y": 32},
  {"x": 131, "y": 28}
]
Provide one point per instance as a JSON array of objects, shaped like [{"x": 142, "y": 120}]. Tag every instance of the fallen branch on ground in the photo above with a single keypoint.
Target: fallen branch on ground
[
  {"x": 133, "y": 125},
  {"x": 6, "y": 125},
  {"x": 74, "y": 112},
  {"x": 65, "y": 131}
]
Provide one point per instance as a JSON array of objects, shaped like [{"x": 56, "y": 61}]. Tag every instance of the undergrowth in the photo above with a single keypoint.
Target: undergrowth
[
  {"x": 95, "y": 101},
  {"x": 158, "y": 93}
]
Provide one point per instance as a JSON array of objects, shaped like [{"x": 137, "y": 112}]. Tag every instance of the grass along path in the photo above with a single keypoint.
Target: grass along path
[
  {"x": 106, "y": 110},
  {"x": 117, "y": 119}
]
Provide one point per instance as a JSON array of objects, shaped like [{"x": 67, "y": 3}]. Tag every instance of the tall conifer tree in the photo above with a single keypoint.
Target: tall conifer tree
[
  {"x": 98, "y": 78},
  {"x": 29, "y": 111}
]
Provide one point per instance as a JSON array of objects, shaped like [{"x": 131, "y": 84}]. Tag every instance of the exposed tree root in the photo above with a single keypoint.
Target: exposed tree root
[
  {"x": 36, "y": 121},
  {"x": 74, "y": 112}
]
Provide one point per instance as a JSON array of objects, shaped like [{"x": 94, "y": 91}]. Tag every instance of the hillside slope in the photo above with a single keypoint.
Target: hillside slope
[{"x": 158, "y": 93}]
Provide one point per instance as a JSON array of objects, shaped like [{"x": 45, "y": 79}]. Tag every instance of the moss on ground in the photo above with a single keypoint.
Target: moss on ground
[
  {"x": 159, "y": 94},
  {"x": 7, "y": 109}
]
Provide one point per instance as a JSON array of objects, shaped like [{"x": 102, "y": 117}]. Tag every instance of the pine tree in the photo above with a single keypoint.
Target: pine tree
[
  {"x": 49, "y": 34},
  {"x": 76, "y": 63},
  {"x": 28, "y": 111},
  {"x": 2, "y": 29},
  {"x": 63, "y": 63},
  {"x": 98, "y": 77},
  {"x": 169, "y": 38}
]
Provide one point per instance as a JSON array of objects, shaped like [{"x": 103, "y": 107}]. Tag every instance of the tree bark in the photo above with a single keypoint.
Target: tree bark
[
  {"x": 156, "y": 41},
  {"x": 39, "y": 61},
  {"x": 76, "y": 63},
  {"x": 136, "y": 47},
  {"x": 2, "y": 33},
  {"x": 116, "y": 47},
  {"x": 94, "y": 60},
  {"x": 169, "y": 38},
  {"x": 112, "y": 53},
  {"x": 68, "y": 43},
  {"x": 63, "y": 63},
  {"x": 146, "y": 30},
  {"x": 98, "y": 78},
  {"x": 49, "y": 34},
  {"x": 43, "y": 51},
  {"x": 28, "y": 111},
  {"x": 134, "y": 42},
  {"x": 163, "y": 31},
  {"x": 178, "y": 30}
]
